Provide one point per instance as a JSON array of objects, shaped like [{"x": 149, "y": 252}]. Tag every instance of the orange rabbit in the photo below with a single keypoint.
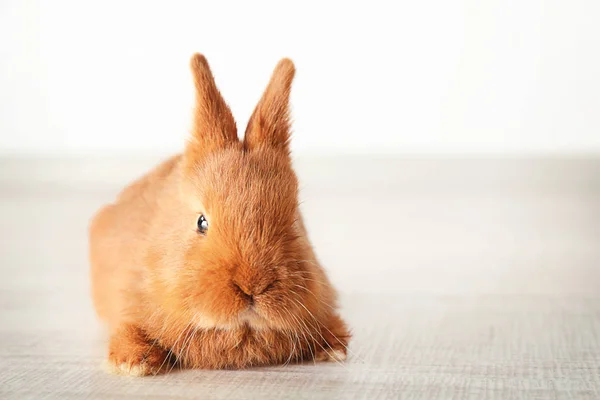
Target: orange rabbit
[{"x": 205, "y": 262}]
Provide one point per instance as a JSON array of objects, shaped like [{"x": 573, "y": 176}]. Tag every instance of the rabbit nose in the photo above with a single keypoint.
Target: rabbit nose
[
  {"x": 251, "y": 281},
  {"x": 244, "y": 291},
  {"x": 250, "y": 291}
]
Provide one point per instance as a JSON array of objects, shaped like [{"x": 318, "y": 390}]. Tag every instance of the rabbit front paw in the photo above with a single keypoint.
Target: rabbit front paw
[
  {"x": 336, "y": 337},
  {"x": 132, "y": 354}
]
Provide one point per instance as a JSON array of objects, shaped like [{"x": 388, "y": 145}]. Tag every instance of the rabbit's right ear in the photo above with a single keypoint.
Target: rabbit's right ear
[{"x": 213, "y": 125}]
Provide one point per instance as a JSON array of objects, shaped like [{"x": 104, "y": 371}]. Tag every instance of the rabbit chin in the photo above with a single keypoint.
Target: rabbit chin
[
  {"x": 254, "y": 320},
  {"x": 246, "y": 318}
]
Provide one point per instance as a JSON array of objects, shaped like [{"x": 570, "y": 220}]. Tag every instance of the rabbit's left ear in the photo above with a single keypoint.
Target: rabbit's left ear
[{"x": 269, "y": 124}]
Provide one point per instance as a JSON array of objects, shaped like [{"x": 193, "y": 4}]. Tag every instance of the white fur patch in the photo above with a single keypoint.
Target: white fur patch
[
  {"x": 337, "y": 355},
  {"x": 330, "y": 355},
  {"x": 126, "y": 369}
]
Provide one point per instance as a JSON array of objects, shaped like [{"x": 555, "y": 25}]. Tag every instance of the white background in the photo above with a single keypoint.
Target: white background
[{"x": 381, "y": 77}]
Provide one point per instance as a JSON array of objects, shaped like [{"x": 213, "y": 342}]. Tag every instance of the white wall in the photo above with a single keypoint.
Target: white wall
[{"x": 410, "y": 76}]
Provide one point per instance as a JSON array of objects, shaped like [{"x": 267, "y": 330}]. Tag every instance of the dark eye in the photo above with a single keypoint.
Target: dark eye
[{"x": 202, "y": 225}]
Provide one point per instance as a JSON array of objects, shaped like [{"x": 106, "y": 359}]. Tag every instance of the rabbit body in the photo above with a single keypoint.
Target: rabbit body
[{"x": 205, "y": 262}]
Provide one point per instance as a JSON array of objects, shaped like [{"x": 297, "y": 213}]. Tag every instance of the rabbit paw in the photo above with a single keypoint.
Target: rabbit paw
[
  {"x": 331, "y": 355},
  {"x": 131, "y": 354},
  {"x": 336, "y": 338}
]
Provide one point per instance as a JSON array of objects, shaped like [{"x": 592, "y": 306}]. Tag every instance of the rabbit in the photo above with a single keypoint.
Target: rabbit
[{"x": 205, "y": 262}]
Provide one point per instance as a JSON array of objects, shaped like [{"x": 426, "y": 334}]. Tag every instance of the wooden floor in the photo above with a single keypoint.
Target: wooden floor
[{"x": 461, "y": 279}]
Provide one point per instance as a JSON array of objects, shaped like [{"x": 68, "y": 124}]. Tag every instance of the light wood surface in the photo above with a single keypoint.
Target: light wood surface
[{"x": 461, "y": 279}]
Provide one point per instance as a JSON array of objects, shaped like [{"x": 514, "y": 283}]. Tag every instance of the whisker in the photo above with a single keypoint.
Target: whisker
[
  {"x": 307, "y": 261},
  {"x": 307, "y": 329},
  {"x": 304, "y": 278},
  {"x": 186, "y": 345},
  {"x": 331, "y": 333},
  {"x": 173, "y": 346},
  {"x": 314, "y": 318},
  {"x": 324, "y": 349},
  {"x": 302, "y": 331},
  {"x": 315, "y": 296},
  {"x": 287, "y": 331},
  {"x": 292, "y": 343}
]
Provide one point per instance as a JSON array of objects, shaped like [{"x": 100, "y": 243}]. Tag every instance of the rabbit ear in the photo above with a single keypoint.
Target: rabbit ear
[
  {"x": 269, "y": 124},
  {"x": 213, "y": 125}
]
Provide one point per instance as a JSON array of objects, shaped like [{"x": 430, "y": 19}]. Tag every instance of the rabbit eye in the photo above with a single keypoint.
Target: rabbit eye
[{"x": 202, "y": 225}]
